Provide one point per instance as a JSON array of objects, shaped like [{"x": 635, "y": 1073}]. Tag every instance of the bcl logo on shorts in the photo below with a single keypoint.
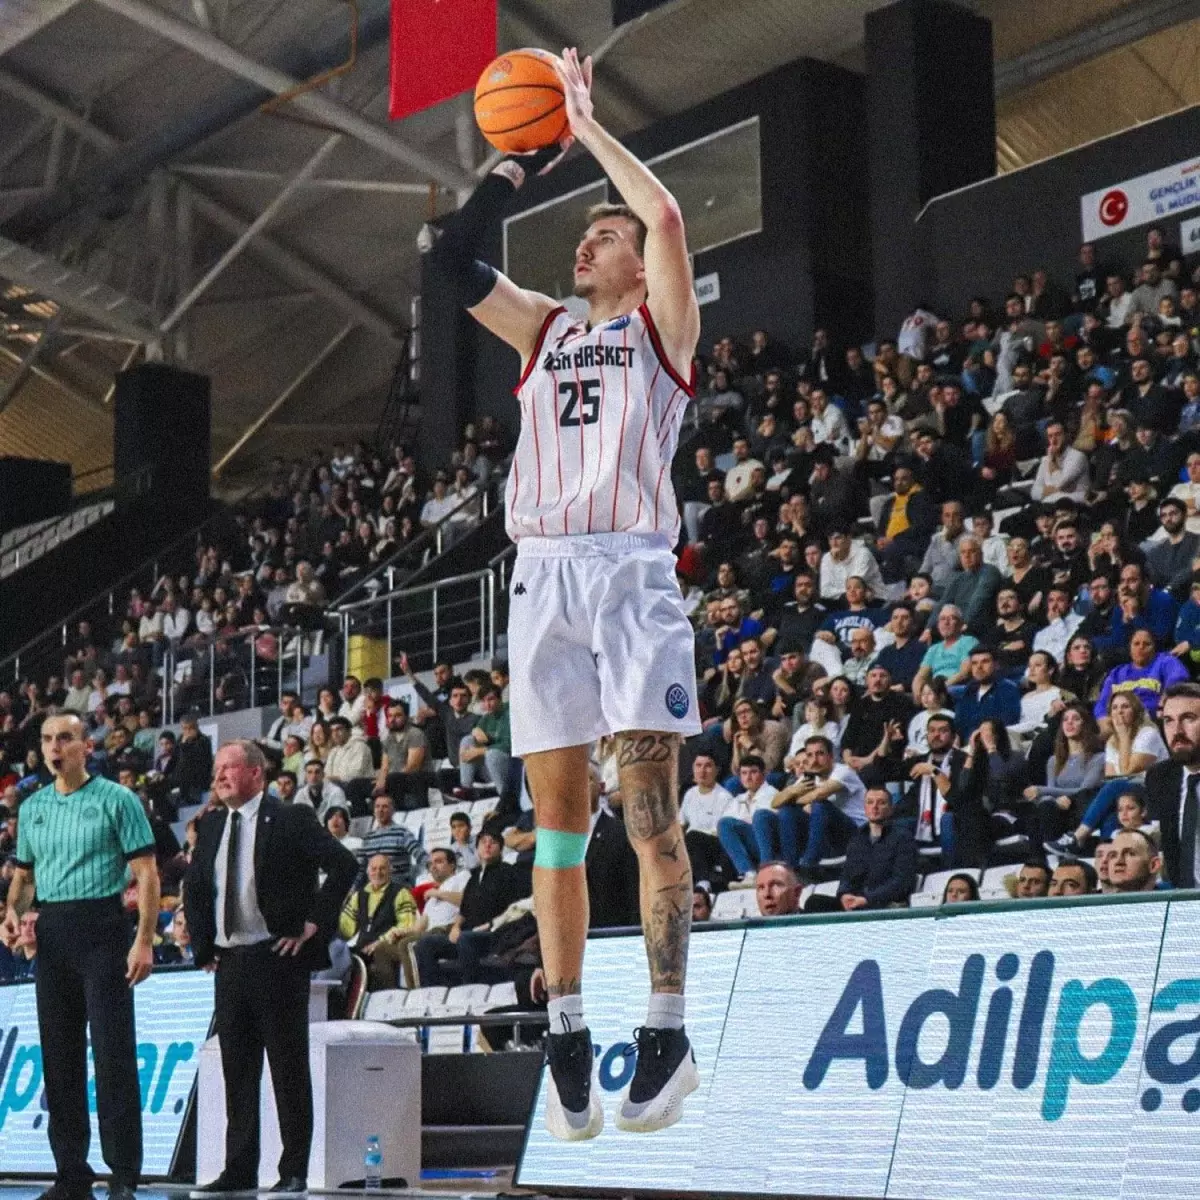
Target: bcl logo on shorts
[{"x": 677, "y": 701}]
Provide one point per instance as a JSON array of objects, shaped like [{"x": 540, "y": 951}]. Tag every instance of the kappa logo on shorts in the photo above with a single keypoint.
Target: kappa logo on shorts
[
  {"x": 519, "y": 589},
  {"x": 678, "y": 702}
]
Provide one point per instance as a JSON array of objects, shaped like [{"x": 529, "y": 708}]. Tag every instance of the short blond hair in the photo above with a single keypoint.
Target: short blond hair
[{"x": 600, "y": 212}]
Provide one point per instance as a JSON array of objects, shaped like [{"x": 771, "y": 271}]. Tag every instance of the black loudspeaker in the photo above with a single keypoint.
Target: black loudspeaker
[
  {"x": 163, "y": 427},
  {"x": 32, "y": 489}
]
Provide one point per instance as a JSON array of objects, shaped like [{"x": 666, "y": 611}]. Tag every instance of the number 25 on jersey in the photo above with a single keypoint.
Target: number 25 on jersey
[{"x": 581, "y": 402}]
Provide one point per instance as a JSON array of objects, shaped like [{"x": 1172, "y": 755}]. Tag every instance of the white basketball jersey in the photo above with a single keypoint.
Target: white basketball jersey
[{"x": 600, "y": 417}]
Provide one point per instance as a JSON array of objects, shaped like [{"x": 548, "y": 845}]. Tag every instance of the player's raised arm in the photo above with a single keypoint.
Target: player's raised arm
[
  {"x": 511, "y": 313},
  {"x": 672, "y": 300}
]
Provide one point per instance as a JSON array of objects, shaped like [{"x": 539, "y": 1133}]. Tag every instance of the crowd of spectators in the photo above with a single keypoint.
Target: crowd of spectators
[
  {"x": 940, "y": 585},
  {"x": 957, "y": 568}
]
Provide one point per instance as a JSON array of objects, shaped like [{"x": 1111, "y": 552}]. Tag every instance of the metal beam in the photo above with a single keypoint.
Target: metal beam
[
  {"x": 75, "y": 290},
  {"x": 283, "y": 262},
  {"x": 276, "y": 82},
  {"x": 291, "y": 266},
  {"x": 283, "y": 397},
  {"x": 259, "y": 223},
  {"x": 251, "y": 175},
  {"x": 53, "y": 380},
  {"x": 22, "y": 21},
  {"x": 25, "y": 367},
  {"x": 1131, "y": 24},
  {"x": 26, "y": 142}
]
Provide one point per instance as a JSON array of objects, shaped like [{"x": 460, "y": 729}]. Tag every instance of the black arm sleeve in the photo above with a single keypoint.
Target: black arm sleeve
[{"x": 455, "y": 252}]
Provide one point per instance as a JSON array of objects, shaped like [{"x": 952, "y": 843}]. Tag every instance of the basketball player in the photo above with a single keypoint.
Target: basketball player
[{"x": 598, "y": 640}]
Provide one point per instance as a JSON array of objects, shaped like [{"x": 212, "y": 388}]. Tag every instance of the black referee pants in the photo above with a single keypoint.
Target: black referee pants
[
  {"x": 262, "y": 1005},
  {"x": 81, "y": 965}
]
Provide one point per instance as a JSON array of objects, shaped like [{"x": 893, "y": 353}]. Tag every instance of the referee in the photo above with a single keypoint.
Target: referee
[{"x": 75, "y": 839}]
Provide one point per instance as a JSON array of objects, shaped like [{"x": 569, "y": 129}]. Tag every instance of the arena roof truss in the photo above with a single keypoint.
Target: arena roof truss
[{"x": 158, "y": 198}]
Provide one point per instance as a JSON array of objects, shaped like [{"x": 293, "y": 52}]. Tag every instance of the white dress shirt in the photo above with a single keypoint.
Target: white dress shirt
[
  {"x": 252, "y": 924},
  {"x": 1054, "y": 637},
  {"x": 1194, "y": 850}
]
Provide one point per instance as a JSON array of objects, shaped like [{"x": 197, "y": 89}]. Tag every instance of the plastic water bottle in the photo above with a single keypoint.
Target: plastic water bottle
[{"x": 373, "y": 1164}]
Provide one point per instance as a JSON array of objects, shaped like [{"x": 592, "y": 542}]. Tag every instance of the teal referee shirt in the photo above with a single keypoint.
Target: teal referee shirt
[{"x": 78, "y": 844}]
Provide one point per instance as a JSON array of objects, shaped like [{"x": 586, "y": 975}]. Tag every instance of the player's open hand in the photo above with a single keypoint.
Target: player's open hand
[{"x": 576, "y": 79}]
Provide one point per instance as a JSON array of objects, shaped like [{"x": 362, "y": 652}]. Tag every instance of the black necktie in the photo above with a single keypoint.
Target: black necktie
[
  {"x": 231, "y": 873},
  {"x": 1187, "y": 835}
]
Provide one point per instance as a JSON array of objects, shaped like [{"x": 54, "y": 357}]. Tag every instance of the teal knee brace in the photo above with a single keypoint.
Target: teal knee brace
[{"x": 558, "y": 850}]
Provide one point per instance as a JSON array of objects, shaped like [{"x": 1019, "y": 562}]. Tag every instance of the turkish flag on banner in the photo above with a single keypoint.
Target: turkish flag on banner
[{"x": 439, "y": 48}]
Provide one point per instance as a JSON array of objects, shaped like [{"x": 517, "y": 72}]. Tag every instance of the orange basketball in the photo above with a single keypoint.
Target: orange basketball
[{"x": 519, "y": 102}]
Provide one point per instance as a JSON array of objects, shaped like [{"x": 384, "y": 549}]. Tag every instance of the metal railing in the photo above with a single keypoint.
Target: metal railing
[
  {"x": 452, "y": 618},
  {"x": 435, "y": 541},
  {"x": 135, "y": 484},
  {"x": 101, "y": 604},
  {"x": 217, "y": 658}
]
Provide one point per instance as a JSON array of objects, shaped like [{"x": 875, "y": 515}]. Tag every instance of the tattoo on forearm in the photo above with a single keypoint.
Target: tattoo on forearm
[
  {"x": 671, "y": 851},
  {"x": 557, "y": 988},
  {"x": 645, "y": 748}
]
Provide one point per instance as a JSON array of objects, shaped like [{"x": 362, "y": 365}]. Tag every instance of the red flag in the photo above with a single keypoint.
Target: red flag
[{"x": 439, "y": 48}]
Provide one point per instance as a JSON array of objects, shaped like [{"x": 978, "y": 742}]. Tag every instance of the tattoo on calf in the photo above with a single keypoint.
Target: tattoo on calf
[
  {"x": 667, "y": 928},
  {"x": 557, "y": 988},
  {"x": 671, "y": 851}
]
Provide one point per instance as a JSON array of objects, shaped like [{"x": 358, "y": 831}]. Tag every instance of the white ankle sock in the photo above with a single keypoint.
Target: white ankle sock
[
  {"x": 665, "y": 1011},
  {"x": 566, "y": 1014}
]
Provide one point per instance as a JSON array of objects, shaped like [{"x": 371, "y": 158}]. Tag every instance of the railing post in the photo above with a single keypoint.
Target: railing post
[
  {"x": 435, "y": 624},
  {"x": 389, "y": 632},
  {"x": 345, "y": 644},
  {"x": 212, "y": 678},
  {"x": 279, "y": 685},
  {"x": 482, "y": 615},
  {"x": 491, "y": 588},
  {"x": 299, "y": 661}
]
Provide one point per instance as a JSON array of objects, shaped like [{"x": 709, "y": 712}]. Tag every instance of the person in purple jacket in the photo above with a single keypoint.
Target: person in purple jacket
[{"x": 1147, "y": 674}]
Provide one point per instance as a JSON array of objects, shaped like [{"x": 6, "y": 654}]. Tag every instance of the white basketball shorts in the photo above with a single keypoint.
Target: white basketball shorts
[{"x": 598, "y": 642}]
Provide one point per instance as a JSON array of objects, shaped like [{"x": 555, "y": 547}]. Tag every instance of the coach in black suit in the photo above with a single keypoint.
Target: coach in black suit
[
  {"x": 258, "y": 918},
  {"x": 1174, "y": 787}
]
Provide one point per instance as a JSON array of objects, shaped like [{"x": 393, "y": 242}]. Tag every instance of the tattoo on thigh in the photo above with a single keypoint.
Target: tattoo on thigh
[
  {"x": 649, "y": 812},
  {"x": 645, "y": 748}
]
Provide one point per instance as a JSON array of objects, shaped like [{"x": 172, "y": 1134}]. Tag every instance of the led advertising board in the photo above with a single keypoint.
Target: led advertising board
[
  {"x": 173, "y": 1011},
  {"x": 1042, "y": 1050}
]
